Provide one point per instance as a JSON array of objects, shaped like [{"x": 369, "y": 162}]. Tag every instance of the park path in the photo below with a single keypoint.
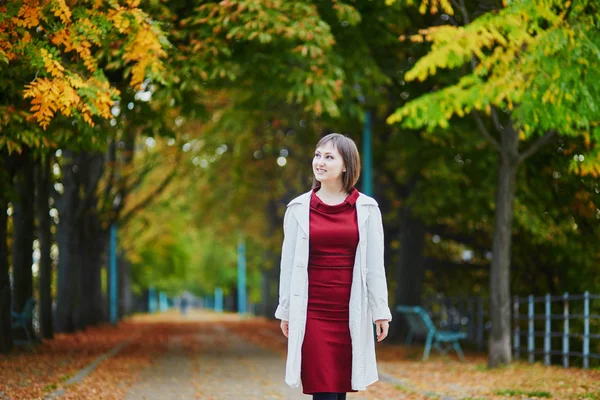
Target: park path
[{"x": 208, "y": 360}]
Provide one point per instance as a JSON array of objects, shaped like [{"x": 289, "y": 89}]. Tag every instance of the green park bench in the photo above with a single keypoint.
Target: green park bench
[
  {"x": 23, "y": 319},
  {"x": 419, "y": 323}
]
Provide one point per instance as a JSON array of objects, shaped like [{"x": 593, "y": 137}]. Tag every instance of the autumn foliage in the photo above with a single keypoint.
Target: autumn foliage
[{"x": 59, "y": 49}]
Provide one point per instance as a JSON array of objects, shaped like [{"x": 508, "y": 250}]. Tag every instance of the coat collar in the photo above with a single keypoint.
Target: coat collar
[{"x": 301, "y": 209}]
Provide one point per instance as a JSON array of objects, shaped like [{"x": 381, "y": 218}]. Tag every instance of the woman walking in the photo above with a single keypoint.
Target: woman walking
[{"x": 332, "y": 287}]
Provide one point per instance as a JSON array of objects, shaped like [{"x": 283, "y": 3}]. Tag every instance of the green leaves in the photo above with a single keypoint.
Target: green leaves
[
  {"x": 524, "y": 57},
  {"x": 283, "y": 46}
]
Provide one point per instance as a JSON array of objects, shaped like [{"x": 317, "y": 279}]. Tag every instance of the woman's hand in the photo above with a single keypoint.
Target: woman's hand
[
  {"x": 382, "y": 326},
  {"x": 285, "y": 328}
]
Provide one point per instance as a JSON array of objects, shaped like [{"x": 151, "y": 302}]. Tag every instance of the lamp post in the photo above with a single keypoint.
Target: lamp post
[
  {"x": 241, "y": 276},
  {"x": 218, "y": 300},
  {"x": 112, "y": 290},
  {"x": 367, "y": 181}
]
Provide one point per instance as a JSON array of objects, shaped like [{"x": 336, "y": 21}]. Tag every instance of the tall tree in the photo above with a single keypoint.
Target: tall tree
[
  {"x": 535, "y": 60},
  {"x": 63, "y": 50}
]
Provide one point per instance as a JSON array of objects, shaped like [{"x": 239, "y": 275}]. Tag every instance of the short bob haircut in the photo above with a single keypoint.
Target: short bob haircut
[{"x": 350, "y": 156}]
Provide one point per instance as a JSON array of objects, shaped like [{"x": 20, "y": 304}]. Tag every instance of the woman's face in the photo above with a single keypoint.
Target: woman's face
[{"x": 328, "y": 163}]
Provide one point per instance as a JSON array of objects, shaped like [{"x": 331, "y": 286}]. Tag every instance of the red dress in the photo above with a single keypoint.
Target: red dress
[{"x": 327, "y": 347}]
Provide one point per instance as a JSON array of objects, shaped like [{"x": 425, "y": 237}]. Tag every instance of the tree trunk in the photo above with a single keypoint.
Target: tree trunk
[
  {"x": 499, "y": 339},
  {"x": 95, "y": 240},
  {"x": 68, "y": 293},
  {"x": 6, "y": 342},
  {"x": 410, "y": 270},
  {"x": 125, "y": 299},
  {"x": 411, "y": 266},
  {"x": 93, "y": 254},
  {"x": 43, "y": 181},
  {"x": 23, "y": 232}
]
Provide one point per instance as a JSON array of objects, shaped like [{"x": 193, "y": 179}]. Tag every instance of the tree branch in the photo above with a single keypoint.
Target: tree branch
[
  {"x": 536, "y": 146},
  {"x": 438, "y": 265},
  {"x": 140, "y": 178},
  {"x": 476, "y": 241},
  {"x": 485, "y": 132},
  {"x": 161, "y": 188},
  {"x": 496, "y": 120}
]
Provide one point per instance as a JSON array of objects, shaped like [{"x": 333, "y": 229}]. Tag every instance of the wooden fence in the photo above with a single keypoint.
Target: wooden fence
[{"x": 553, "y": 328}]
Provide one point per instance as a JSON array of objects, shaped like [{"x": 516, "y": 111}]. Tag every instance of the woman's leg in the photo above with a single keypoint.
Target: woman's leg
[
  {"x": 325, "y": 396},
  {"x": 341, "y": 396}
]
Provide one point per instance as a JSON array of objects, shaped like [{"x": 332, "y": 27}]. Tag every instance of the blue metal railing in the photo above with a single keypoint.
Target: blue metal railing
[
  {"x": 575, "y": 338},
  {"x": 566, "y": 315}
]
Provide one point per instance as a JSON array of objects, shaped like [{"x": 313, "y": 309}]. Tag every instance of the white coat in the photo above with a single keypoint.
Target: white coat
[{"x": 368, "y": 297}]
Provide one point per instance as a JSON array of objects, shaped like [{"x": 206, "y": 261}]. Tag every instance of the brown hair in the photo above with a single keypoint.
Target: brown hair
[{"x": 349, "y": 153}]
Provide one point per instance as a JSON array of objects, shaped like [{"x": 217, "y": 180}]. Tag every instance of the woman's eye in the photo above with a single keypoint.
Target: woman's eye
[{"x": 330, "y": 157}]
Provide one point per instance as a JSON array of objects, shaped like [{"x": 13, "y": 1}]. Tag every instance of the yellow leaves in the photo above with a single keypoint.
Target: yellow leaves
[
  {"x": 120, "y": 20},
  {"x": 53, "y": 67},
  {"x": 3, "y": 56},
  {"x": 587, "y": 169},
  {"x": 434, "y": 6},
  {"x": 50, "y": 96},
  {"x": 145, "y": 51},
  {"x": 31, "y": 13},
  {"x": 62, "y": 11},
  {"x": 44, "y": 94},
  {"x": 583, "y": 61},
  {"x": 43, "y": 32}
]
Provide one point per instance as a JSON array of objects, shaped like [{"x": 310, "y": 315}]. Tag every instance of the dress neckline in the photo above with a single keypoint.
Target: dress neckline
[{"x": 318, "y": 204}]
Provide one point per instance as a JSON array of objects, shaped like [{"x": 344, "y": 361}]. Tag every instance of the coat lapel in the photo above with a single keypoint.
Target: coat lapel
[
  {"x": 302, "y": 211},
  {"x": 362, "y": 211}
]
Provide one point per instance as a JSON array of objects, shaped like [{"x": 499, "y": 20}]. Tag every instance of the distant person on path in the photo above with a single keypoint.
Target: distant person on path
[
  {"x": 332, "y": 287},
  {"x": 184, "y": 304}
]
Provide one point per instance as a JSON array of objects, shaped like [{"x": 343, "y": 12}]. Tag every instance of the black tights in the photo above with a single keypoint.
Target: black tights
[{"x": 329, "y": 396}]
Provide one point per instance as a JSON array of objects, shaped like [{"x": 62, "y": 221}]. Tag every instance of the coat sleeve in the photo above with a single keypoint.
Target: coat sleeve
[
  {"x": 376, "y": 280},
  {"x": 287, "y": 259}
]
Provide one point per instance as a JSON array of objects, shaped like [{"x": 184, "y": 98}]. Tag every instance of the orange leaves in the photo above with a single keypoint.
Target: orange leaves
[
  {"x": 43, "y": 94},
  {"x": 29, "y": 15},
  {"x": 61, "y": 94},
  {"x": 61, "y": 10},
  {"x": 145, "y": 48},
  {"x": 120, "y": 20},
  {"x": 34, "y": 374},
  {"x": 145, "y": 51},
  {"x": 63, "y": 81}
]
